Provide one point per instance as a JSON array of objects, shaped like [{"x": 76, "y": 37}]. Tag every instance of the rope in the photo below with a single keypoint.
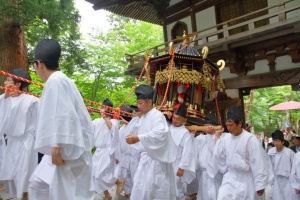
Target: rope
[
  {"x": 41, "y": 86},
  {"x": 170, "y": 74},
  {"x": 216, "y": 101},
  {"x": 169, "y": 80},
  {"x": 21, "y": 79},
  {"x": 135, "y": 86},
  {"x": 18, "y": 91},
  {"x": 91, "y": 109},
  {"x": 85, "y": 100}
]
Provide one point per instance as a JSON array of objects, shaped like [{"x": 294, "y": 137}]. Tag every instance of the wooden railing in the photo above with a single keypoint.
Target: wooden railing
[{"x": 220, "y": 33}]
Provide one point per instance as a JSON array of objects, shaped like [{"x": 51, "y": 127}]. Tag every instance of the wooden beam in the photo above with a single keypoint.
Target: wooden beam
[
  {"x": 223, "y": 105},
  {"x": 180, "y": 10},
  {"x": 284, "y": 77}
]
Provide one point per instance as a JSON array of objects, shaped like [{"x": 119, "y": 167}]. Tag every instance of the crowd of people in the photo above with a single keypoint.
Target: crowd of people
[{"x": 147, "y": 155}]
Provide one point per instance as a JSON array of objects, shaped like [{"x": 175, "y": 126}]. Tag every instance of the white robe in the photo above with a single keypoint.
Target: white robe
[
  {"x": 295, "y": 174},
  {"x": 184, "y": 158},
  {"x": 106, "y": 142},
  {"x": 18, "y": 116},
  {"x": 2, "y": 140},
  {"x": 154, "y": 178},
  {"x": 244, "y": 163},
  {"x": 280, "y": 164},
  {"x": 130, "y": 157},
  {"x": 192, "y": 188},
  {"x": 210, "y": 178},
  {"x": 63, "y": 122}
]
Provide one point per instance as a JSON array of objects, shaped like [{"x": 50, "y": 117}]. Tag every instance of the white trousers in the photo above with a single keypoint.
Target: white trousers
[{"x": 70, "y": 181}]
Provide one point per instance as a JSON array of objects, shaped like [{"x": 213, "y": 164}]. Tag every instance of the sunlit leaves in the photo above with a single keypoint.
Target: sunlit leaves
[{"x": 265, "y": 120}]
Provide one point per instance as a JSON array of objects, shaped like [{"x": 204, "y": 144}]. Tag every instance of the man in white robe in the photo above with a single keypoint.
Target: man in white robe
[
  {"x": 210, "y": 177},
  {"x": 63, "y": 130},
  {"x": 295, "y": 175},
  {"x": 18, "y": 114},
  {"x": 130, "y": 157},
  {"x": 2, "y": 147},
  {"x": 191, "y": 189},
  {"x": 280, "y": 167},
  {"x": 106, "y": 141},
  {"x": 154, "y": 178},
  {"x": 184, "y": 165},
  {"x": 240, "y": 156}
]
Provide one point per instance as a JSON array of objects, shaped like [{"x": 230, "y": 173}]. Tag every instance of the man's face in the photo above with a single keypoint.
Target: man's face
[
  {"x": 39, "y": 70},
  {"x": 233, "y": 128},
  {"x": 266, "y": 139},
  {"x": 8, "y": 81},
  {"x": 278, "y": 144},
  {"x": 144, "y": 105},
  {"x": 178, "y": 120},
  {"x": 296, "y": 142},
  {"x": 105, "y": 108}
]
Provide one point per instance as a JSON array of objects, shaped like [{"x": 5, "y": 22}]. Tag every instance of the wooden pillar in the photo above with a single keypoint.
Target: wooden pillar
[
  {"x": 165, "y": 31},
  {"x": 241, "y": 97},
  {"x": 193, "y": 18},
  {"x": 272, "y": 63}
]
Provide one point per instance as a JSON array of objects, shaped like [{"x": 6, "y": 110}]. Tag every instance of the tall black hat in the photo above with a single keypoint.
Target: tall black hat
[
  {"x": 21, "y": 73},
  {"x": 107, "y": 102},
  {"x": 211, "y": 119},
  {"x": 234, "y": 113},
  {"x": 181, "y": 111},
  {"x": 277, "y": 135},
  {"x": 125, "y": 116},
  {"x": 48, "y": 51},
  {"x": 144, "y": 92}
]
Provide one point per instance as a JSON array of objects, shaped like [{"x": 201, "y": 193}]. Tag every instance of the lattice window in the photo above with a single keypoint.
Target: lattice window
[{"x": 234, "y": 8}]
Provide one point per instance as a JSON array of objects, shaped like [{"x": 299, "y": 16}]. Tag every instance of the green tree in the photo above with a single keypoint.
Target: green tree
[
  {"x": 105, "y": 53},
  {"x": 56, "y": 19},
  {"x": 267, "y": 121}
]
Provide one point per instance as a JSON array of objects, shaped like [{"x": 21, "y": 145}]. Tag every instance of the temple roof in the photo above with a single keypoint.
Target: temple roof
[{"x": 151, "y": 11}]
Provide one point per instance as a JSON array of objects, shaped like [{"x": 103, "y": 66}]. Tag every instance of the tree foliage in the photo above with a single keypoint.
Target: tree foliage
[
  {"x": 57, "y": 19},
  {"x": 267, "y": 121},
  {"x": 105, "y": 55}
]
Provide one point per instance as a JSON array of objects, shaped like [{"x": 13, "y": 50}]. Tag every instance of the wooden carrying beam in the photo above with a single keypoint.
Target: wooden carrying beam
[{"x": 202, "y": 128}]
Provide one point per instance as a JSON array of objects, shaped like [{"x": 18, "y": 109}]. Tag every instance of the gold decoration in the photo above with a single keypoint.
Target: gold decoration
[
  {"x": 220, "y": 83},
  {"x": 147, "y": 55},
  {"x": 186, "y": 38},
  {"x": 221, "y": 63},
  {"x": 179, "y": 75},
  {"x": 171, "y": 48},
  {"x": 204, "y": 52}
]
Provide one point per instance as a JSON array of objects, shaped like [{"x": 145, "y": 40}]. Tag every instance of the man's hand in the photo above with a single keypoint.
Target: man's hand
[
  {"x": 9, "y": 93},
  {"x": 136, "y": 113},
  {"x": 132, "y": 139},
  {"x": 169, "y": 115},
  {"x": 210, "y": 129},
  {"x": 56, "y": 156},
  {"x": 260, "y": 192},
  {"x": 180, "y": 172},
  {"x": 219, "y": 133}
]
